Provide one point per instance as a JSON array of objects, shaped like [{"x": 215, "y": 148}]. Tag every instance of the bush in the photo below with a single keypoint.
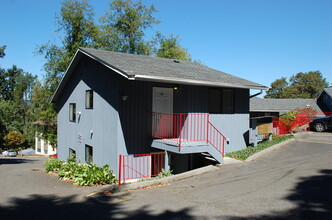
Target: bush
[
  {"x": 165, "y": 173},
  {"x": 82, "y": 174},
  {"x": 13, "y": 139},
  {"x": 53, "y": 165}
]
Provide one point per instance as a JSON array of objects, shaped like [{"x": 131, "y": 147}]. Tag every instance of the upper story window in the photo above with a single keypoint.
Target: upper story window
[
  {"x": 215, "y": 101},
  {"x": 72, "y": 112},
  {"x": 227, "y": 101},
  {"x": 221, "y": 101},
  {"x": 89, "y": 99}
]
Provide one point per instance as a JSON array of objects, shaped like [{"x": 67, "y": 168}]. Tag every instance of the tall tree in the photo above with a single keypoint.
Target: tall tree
[
  {"x": 124, "y": 25},
  {"x": 277, "y": 88},
  {"x": 170, "y": 48},
  {"x": 301, "y": 85},
  {"x": 2, "y": 51},
  {"x": 77, "y": 28}
]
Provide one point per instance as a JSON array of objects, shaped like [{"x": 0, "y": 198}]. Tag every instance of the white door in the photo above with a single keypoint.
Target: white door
[{"x": 162, "y": 102}]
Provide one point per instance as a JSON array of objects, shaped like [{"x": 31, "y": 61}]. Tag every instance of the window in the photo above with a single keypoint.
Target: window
[
  {"x": 72, "y": 154},
  {"x": 88, "y": 154},
  {"x": 72, "y": 112},
  {"x": 221, "y": 101},
  {"x": 228, "y": 101},
  {"x": 215, "y": 101},
  {"x": 89, "y": 99}
]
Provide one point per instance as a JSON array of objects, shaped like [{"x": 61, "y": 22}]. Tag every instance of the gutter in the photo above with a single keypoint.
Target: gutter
[
  {"x": 192, "y": 82},
  {"x": 252, "y": 96}
]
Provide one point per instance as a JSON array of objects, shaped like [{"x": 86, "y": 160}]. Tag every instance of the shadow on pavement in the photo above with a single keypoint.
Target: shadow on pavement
[
  {"x": 11, "y": 160},
  {"x": 313, "y": 197},
  {"x": 54, "y": 207}
]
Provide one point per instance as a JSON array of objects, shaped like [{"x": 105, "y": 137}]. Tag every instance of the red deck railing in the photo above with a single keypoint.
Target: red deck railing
[
  {"x": 216, "y": 139},
  {"x": 187, "y": 127},
  {"x": 137, "y": 166}
]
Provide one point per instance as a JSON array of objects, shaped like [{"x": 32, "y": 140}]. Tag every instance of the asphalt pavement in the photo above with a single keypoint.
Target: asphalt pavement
[{"x": 292, "y": 182}]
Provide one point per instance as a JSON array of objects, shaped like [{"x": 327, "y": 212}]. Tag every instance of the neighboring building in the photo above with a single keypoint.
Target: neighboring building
[
  {"x": 260, "y": 107},
  {"x": 112, "y": 103},
  {"x": 42, "y": 146},
  {"x": 325, "y": 100}
]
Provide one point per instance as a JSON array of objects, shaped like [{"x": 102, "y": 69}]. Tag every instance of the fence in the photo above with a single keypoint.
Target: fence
[
  {"x": 300, "y": 122},
  {"x": 137, "y": 166}
]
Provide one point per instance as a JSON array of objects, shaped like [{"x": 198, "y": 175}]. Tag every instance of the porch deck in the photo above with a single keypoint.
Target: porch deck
[{"x": 172, "y": 145}]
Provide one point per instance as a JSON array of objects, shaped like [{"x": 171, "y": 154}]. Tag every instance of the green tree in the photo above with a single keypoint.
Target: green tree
[
  {"x": 11, "y": 118},
  {"x": 301, "y": 85},
  {"x": 77, "y": 29},
  {"x": 2, "y": 51},
  {"x": 277, "y": 88},
  {"x": 170, "y": 48},
  {"x": 124, "y": 24},
  {"x": 307, "y": 85}
]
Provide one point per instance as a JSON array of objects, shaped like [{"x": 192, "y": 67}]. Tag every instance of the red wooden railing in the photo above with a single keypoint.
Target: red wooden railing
[
  {"x": 137, "y": 166},
  {"x": 187, "y": 127},
  {"x": 216, "y": 139}
]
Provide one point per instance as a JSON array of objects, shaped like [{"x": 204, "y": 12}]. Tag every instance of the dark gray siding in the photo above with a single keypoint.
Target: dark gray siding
[{"x": 115, "y": 126}]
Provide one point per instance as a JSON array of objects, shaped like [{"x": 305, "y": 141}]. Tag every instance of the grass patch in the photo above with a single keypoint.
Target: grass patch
[{"x": 247, "y": 152}]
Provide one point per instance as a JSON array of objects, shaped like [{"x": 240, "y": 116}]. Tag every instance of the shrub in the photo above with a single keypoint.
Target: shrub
[
  {"x": 82, "y": 174},
  {"x": 53, "y": 165},
  {"x": 165, "y": 173},
  {"x": 13, "y": 139}
]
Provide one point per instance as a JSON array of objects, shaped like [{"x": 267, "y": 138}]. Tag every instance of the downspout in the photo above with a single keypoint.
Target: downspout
[
  {"x": 254, "y": 122},
  {"x": 256, "y": 94}
]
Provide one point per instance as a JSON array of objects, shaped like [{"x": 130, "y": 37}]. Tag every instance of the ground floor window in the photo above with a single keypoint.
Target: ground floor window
[
  {"x": 88, "y": 154},
  {"x": 72, "y": 153}
]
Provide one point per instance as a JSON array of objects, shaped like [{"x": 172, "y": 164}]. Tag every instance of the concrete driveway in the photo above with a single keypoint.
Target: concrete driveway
[{"x": 293, "y": 182}]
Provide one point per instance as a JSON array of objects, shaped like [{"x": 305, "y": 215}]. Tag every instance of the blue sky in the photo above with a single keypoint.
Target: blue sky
[{"x": 259, "y": 40}]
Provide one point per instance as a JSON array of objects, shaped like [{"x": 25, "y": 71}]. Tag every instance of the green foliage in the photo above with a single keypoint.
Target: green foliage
[
  {"x": 170, "y": 48},
  {"x": 72, "y": 158},
  {"x": 165, "y": 173},
  {"x": 53, "y": 165},
  {"x": 124, "y": 24},
  {"x": 247, "y": 152},
  {"x": 301, "y": 85},
  {"x": 13, "y": 139},
  {"x": 276, "y": 89},
  {"x": 288, "y": 117},
  {"x": 82, "y": 174},
  {"x": 2, "y": 51}
]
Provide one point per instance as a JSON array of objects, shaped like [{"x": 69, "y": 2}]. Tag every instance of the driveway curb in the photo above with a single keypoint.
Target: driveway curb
[
  {"x": 277, "y": 146},
  {"x": 97, "y": 196}
]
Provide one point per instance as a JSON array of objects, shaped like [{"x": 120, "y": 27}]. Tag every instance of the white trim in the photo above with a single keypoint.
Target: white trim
[{"x": 192, "y": 82}]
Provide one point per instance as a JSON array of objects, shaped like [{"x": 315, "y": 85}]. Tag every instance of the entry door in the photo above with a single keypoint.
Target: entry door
[{"x": 162, "y": 102}]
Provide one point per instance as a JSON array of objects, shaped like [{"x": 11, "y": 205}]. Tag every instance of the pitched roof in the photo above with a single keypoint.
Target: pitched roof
[
  {"x": 139, "y": 67},
  {"x": 328, "y": 91},
  {"x": 281, "y": 105}
]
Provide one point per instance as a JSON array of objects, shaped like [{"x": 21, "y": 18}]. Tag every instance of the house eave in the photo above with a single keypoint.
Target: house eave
[{"x": 193, "y": 82}]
